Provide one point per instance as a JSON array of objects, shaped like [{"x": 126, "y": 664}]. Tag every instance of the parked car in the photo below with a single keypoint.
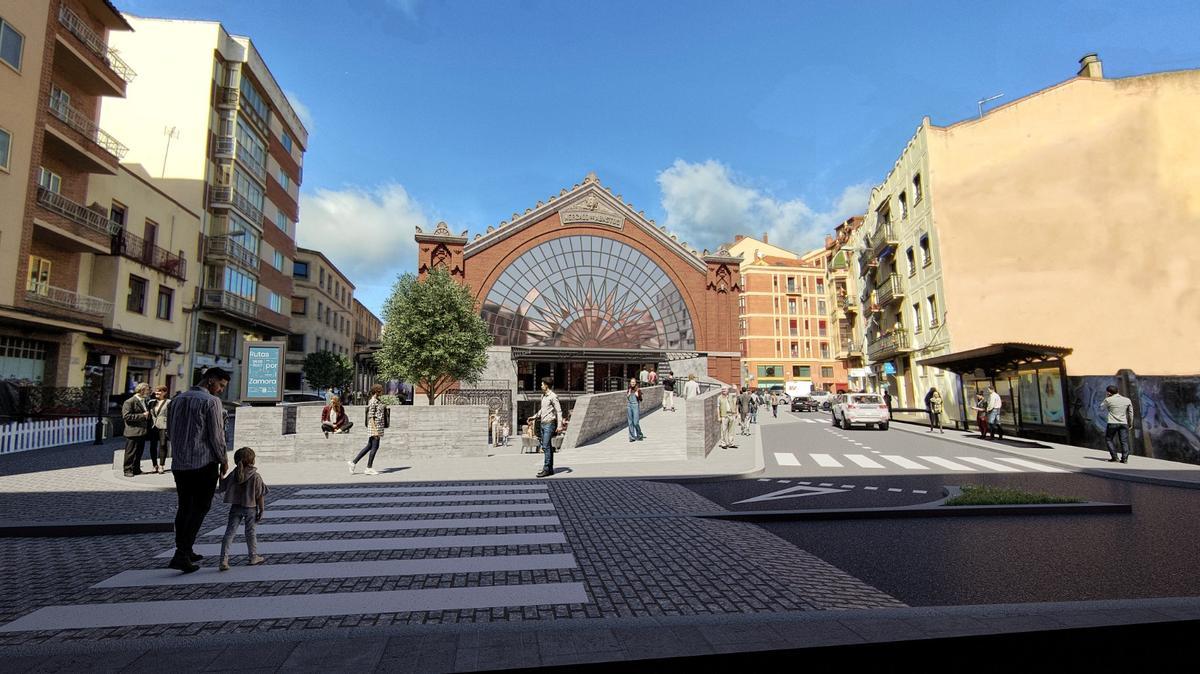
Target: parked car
[
  {"x": 804, "y": 404},
  {"x": 301, "y": 399},
  {"x": 860, "y": 408}
]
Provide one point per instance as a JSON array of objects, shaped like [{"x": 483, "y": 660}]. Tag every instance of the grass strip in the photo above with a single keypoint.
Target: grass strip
[{"x": 978, "y": 495}]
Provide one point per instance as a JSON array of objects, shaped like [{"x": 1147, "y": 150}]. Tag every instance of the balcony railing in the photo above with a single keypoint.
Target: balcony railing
[
  {"x": 890, "y": 289},
  {"x": 227, "y": 97},
  {"x": 223, "y": 300},
  {"x": 135, "y": 247},
  {"x": 847, "y": 305},
  {"x": 95, "y": 43},
  {"x": 77, "y": 213},
  {"x": 223, "y": 146},
  {"x": 225, "y": 196},
  {"x": 849, "y": 347},
  {"x": 84, "y": 125},
  {"x": 227, "y": 247},
  {"x": 67, "y": 299},
  {"x": 888, "y": 344},
  {"x": 885, "y": 235}
]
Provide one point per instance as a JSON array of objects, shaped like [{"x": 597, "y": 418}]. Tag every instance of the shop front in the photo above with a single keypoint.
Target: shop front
[{"x": 1030, "y": 378}]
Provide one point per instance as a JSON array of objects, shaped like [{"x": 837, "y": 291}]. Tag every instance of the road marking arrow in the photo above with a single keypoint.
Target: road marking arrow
[{"x": 792, "y": 492}]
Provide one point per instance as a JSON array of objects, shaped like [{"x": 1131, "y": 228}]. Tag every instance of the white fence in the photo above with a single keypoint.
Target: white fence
[{"x": 18, "y": 437}]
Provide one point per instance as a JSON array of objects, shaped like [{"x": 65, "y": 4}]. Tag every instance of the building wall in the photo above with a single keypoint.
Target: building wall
[
  {"x": 1071, "y": 218},
  {"x": 336, "y": 295}
]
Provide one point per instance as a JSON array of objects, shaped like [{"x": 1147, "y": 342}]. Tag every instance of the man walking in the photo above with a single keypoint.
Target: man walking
[
  {"x": 1118, "y": 412},
  {"x": 196, "y": 427},
  {"x": 994, "y": 403},
  {"x": 136, "y": 416},
  {"x": 692, "y": 388},
  {"x": 726, "y": 411},
  {"x": 644, "y": 376},
  {"x": 551, "y": 416},
  {"x": 668, "y": 400},
  {"x": 744, "y": 406}
]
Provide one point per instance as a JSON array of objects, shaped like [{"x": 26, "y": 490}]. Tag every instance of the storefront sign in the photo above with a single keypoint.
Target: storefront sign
[
  {"x": 262, "y": 371},
  {"x": 859, "y": 372},
  {"x": 889, "y": 368},
  {"x": 142, "y": 363}
]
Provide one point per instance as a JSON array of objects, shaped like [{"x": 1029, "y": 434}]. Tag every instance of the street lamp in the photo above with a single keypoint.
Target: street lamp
[{"x": 105, "y": 359}]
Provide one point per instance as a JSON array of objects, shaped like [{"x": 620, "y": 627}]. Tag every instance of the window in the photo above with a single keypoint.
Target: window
[
  {"x": 166, "y": 300},
  {"x": 296, "y": 343},
  {"x": 241, "y": 284},
  {"x": 248, "y": 189},
  {"x": 11, "y": 43},
  {"x": 251, "y": 96},
  {"x": 822, "y": 330},
  {"x": 926, "y": 257},
  {"x": 279, "y": 260},
  {"x": 824, "y": 349},
  {"x": 821, "y": 307},
  {"x": 39, "y": 275},
  {"x": 136, "y": 301},
  {"x": 912, "y": 261},
  {"x": 206, "y": 337},
  {"x": 60, "y": 101},
  {"x": 791, "y": 284},
  {"x": 299, "y": 306},
  {"x": 903, "y": 205},
  {"x": 794, "y": 350},
  {"x": 820, "y": 286},
  {"x": 770, "y": 372},
  {"x": 322, "y": 283},
  {"x": 804, "y": 371},
  {"x": 49, "y": 180},
  {"x": 274, "y": 302},
  {"x": 917, "y": 189},
  {"x": 118, "y": 214},
  {"x": 286, "y": 140},
  {"x": 281, "y": 221},
  {"x": 284, "y": 180},
  {"x": 226, "y": 341},
  {"x": 300, "y": 270},
  {"x": 320, "y": 311},
  {"x": 5, "y": 148},
  {"x": 933, "y": 310},
  {"x": 792, "y": 328},
  {"x": 827, "y": 372},
  {"x": 791, "y": 305},
  {"x": 916, "y": 317}
]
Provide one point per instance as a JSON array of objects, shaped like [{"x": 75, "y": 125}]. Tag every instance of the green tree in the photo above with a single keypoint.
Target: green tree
[
  {"x": 432, "y": 334},
  {"x": 328, "y": 370}
]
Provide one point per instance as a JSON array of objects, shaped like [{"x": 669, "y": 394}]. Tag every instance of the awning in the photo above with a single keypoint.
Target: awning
[{"x": 997, "y": 357}]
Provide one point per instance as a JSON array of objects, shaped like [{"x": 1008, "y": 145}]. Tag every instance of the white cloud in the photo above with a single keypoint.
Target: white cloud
[
  {"x": 368, "y": 234},
  {"x": 301, "y": 109},
  {"x": 706, "y": 204}
]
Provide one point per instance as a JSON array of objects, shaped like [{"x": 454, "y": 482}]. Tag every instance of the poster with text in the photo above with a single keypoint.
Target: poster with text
[
  {"x": 1053, "y": 413},
  {"x": 263, "y": 372}
]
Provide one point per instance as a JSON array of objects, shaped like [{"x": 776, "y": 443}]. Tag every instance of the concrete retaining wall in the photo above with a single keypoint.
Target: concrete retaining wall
[
  {"x": 597, "y": 415},
  {"x": 415, "y": 432},
  {"x": 703, "y": 426}
]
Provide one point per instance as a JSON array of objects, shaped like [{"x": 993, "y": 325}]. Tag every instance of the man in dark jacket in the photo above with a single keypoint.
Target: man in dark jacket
[{"x": 136, "y": 415}]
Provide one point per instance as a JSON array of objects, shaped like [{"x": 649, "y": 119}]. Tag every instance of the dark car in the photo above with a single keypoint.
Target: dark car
[{"x": 805, "y": 404}]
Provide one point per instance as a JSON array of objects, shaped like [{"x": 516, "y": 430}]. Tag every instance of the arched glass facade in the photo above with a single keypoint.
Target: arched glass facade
[{"x": 587, "y": 292}]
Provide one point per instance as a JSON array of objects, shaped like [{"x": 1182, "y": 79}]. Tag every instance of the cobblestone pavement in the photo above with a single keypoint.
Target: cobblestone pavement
[{"x": 628, "y": 567}]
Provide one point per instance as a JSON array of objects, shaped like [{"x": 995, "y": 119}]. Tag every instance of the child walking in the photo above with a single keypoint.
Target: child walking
[{"x": 244, "y": 492}]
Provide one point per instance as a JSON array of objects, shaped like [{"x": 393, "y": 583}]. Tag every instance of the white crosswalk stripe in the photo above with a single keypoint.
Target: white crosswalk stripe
[
  {"x": 826, "y": 461},
  {"x": 946, "y": 463},
  {"x": 863, "y": 461},
  {"x": 786, "y": 459},
  {"x": 421, "y": 490},
  {"x": 398, "y": 525},
  {"x": 1034, "y": 466},
  {"x": 990, "y": 465},
  {"x": 903, "y": 462},
  {"x": 456, "y": 498}
]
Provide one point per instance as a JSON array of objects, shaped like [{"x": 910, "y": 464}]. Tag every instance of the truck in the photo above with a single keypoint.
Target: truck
[{"x": 797, "y": 388}]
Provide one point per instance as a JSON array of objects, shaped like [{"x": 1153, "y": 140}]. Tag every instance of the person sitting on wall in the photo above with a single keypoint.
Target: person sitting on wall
[{"x": 334, "y": 419}]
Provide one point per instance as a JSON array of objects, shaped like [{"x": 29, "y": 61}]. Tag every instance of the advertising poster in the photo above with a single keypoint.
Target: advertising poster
[
  {"x": 1031, "y": 408},
  {"x": 1053, "y": 413},
  {"x": 264, "y": 375}
]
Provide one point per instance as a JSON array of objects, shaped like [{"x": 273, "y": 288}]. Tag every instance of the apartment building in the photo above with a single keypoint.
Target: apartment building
[
  {"x": 214, "y": 129},
  {"x": 368, "y": 330},
  {"x": 785, "y": 321},
  {"x": 323, "y": 316},
  {"x": 1054, "y": 228},
  {"x": 841, "y": 286},
  {"x": 56, "y": 66}
]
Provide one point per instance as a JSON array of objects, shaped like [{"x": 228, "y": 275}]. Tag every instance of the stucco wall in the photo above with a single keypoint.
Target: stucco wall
[
  {"x": 703, "y": 426},
  {"x": 597, "y": 415},
  {"x": 1071, "y": 218}
]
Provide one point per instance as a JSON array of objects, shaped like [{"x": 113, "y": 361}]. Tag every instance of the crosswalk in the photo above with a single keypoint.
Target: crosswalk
[
  {"x": 879, "y": 461},
  {"x": 403, "y": 526}
]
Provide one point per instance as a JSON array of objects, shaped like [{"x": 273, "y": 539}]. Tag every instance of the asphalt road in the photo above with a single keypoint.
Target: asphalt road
[{"x": 972, "y": 560}]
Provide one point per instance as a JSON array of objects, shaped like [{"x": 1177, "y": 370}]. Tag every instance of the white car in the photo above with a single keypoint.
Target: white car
[{"x": 860, "y": 408}]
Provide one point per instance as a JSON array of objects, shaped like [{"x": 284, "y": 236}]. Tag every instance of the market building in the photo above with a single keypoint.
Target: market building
[{"x": 585, "y": 289}]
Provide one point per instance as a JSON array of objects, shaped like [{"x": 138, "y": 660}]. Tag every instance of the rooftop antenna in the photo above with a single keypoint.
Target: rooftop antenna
[
  {"x": 986, "y": 100},
  {"x": 170, "y": 132}
]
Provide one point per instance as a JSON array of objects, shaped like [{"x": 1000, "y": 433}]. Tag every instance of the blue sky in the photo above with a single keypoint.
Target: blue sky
[{"x": 713, "y": 117}]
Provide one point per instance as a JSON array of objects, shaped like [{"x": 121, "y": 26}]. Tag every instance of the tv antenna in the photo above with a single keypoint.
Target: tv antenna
[
  {"x": 986, "y": 100},
  {"x": 170, "y": 132}
]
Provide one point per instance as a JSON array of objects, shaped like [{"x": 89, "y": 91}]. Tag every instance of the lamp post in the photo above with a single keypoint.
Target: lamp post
[{"x": 101, "y": 397}]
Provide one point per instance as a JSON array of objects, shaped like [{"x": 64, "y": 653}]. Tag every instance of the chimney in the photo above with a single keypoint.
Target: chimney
[
  {"x": 737, "y": 237},
  {"x": 765, "y": 238},
  {"x": 1090, "y": 66}
]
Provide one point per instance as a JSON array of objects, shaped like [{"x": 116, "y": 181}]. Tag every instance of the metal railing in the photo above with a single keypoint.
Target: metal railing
[
  {"x": 848, "y": 305},
  {"x": 223, "y": 195},
  {"x": 226, "y": 246},
  {"x": 135, "y": 247},
  {"x": 884, "y": 236},
  {"x": 890, "y": 289},
  {"x": 223, "y": 146},
  {"x": 67, "y": 299},
  {"x": 225, "y": 300},
  {"x": 227, "y": 96},
  {"x": 889, "y": 343},
  {"x": 88, "y": 128},
  {"x": 95, "y": 43},
  {"x": 77, "y": 213}
]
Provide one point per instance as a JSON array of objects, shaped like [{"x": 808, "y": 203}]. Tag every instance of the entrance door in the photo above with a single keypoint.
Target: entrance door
[{"x": 151, "y": 237}]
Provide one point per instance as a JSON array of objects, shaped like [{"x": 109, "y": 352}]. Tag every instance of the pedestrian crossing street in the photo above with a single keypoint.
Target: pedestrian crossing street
[
  {"x": 277, "y": 535},
  {"x": 879, "y": 461}
]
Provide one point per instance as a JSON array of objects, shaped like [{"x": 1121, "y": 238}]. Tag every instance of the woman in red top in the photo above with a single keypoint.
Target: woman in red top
[{"x": 334, "y": 419}]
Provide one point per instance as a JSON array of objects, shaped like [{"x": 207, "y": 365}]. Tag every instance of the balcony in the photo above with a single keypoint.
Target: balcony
[
  {"x": 885, "y": 235},
  {"x": 83, "y": 125},
  {"x": 97, "y": 57},
  {"x": 223, "y": 300},
  {"x": 223, "y": 147},
  {"x": 889, "y": 290},
  {"x": 230, "y": 97},
  {"x": 224, "y": 248},
  {"x": 847, "y": 305},
  {"x": 77, "y": 220},
  {"x": 889, "y": 344},
  {"x": 220, "y": 196},
  {"x": 61, "y": 298},
  {"x": 136, "y": 248}
]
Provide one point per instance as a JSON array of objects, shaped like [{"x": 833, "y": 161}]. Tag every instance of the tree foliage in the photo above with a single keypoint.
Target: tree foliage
[
  {"x": 328, "y": 370},
  {"x": 433, "y": 335}
]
